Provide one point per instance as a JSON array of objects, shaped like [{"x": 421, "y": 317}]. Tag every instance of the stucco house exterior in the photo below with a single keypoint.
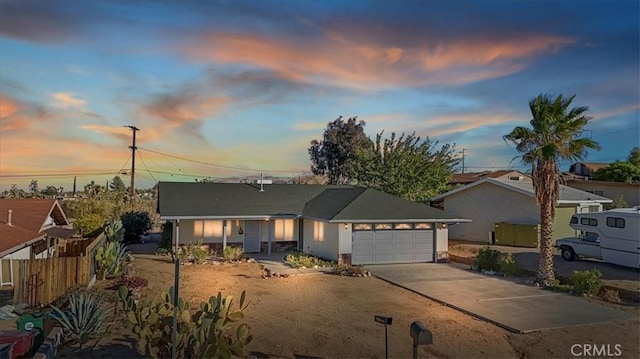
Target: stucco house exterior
[
  {"x": 630, "y": 192},
  {"x": 343, "y": 223},
  {"x": 495, "y": 200},
  {"x": 29, "y": 227}
]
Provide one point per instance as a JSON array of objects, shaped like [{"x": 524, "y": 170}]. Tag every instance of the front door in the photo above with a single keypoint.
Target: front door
[{"x": 252, "y": 236}]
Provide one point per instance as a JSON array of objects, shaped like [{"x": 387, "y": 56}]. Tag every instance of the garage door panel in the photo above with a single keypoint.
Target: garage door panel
[{"x": 395, "y": 246}]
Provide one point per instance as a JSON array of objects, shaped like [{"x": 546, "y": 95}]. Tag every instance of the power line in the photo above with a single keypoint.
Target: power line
[
  {"x": 215, "y": 164},
  {"x": 145, "y": 166}
]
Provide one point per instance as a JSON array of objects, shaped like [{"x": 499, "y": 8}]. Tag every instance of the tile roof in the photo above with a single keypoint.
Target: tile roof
[{"x": 331, "y": 203}]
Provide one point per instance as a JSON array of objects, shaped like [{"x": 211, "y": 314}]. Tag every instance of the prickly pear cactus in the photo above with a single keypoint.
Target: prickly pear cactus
[{"x": 212, "y": 331}]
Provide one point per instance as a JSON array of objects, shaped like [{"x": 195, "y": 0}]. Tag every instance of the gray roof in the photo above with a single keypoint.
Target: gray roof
[
  {"x": 567, "y": 194},
  {"x": 330, "y": 203}
]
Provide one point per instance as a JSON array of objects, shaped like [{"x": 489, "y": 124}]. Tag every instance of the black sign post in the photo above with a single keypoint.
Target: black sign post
[{"x": 386, "y": 321}]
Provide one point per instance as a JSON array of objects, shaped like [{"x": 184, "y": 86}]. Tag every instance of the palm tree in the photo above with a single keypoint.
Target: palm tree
[{"x": 554, "y": 135}]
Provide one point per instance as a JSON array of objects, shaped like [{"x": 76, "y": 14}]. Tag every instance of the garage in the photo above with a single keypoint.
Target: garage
[{"x": 386, "y": 243}]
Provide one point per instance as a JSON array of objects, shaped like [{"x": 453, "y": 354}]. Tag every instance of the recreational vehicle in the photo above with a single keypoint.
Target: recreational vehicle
[{"x": 612, "y": 236}]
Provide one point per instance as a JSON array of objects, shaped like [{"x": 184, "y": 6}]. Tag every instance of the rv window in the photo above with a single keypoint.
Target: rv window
[
  {"x": 589, "y": 222},
  {"x": 574, "y": 220},
  {"x": 615, "y": 222}
]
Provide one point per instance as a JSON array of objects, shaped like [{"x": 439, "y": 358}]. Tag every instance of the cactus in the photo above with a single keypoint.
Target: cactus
[
  {"x": 110, "y": 259},
  {"x": 114, "y": 231},
  {"x": 84, "y": 319},
  {"x": 202, "y": 333}
]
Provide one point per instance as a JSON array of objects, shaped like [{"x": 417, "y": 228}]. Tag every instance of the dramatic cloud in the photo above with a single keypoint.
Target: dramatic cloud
[
  {"x": 8, "y": 106},
  {"x": 337, "y": 60},
  {"x": 184, "y": 108}
]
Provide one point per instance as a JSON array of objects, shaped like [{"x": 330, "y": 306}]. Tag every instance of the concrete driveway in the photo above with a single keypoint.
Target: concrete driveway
[{"x": 515, "y": 307}]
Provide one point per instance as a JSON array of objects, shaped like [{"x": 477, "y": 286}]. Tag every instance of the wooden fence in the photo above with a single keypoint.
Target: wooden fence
[
  {"x": 41, "y": 281},
  {"x": 75, "y": 247}
]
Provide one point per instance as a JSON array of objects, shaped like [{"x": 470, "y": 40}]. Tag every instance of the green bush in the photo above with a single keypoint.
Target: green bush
[
  {"x": 587, "y": 282},
  {"x": 232, "y": 253},
  {"x": 510, "y": 266},
  {"x": 487, "y": 259},
  {"x": 300, "y": 260},
  {"x": 135, "y": 224},
  {"x": 166, "y": 235},
  {"x": 193, "y": 252},
  {"x": 556, "y": 286}
]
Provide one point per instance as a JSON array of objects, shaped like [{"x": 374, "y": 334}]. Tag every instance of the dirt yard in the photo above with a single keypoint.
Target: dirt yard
[{"x": 327, "y": 316}]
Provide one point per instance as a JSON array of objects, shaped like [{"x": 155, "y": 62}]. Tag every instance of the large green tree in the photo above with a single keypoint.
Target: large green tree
[
  {"x": 554, "y": 135},
  {"x": 634, "y": 156},
  {"x": 334, "y": 155},
  {"x": 406, "y": 166},
  {"x": 618, "y": 172},
  {"x": 117, "y": 185}
]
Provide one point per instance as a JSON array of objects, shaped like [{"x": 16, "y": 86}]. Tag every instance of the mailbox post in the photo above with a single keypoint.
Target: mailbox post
[
  {"x": 385, "y": 321},
  {"x": 421, "y": 336}
]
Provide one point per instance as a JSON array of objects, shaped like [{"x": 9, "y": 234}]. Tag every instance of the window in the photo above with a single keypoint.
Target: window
[
  {"x": 283, "y": 229},
  {"x": 402, "y": 226},
  {"x": 383, "y": 226},
  {"x": 615, "y": 222},
  {"x": 422, "y": 226},
  {"x": 362, "y": 227},
  {"x": 589, "y": 222}
]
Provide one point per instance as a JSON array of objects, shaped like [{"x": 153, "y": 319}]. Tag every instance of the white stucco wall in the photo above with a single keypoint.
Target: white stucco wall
[
  {"x": 322, "y": 239},
  {"x": 442, "y": 238},
  {"x": 344, "y": 238},
  {"x": 486, "y": 204}
]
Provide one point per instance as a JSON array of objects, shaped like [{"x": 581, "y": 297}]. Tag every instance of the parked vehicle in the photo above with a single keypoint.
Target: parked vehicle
[{"x": 612, "y": 236}]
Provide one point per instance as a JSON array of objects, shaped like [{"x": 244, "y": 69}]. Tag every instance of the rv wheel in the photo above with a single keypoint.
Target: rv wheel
[{"x": 568, "y": 254}]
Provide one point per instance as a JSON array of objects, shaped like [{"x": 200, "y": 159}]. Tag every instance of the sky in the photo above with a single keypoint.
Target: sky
[{"x": 236, "y": 88}]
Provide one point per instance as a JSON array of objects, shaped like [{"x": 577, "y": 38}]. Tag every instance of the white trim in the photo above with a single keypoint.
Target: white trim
[
  {"x": 400, "y": 221},
  {"x": 249, "y": 218}
]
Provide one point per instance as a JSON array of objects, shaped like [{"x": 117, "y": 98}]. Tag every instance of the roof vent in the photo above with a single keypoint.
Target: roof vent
[
  {"x": 516, "y": 178},
  {"x": 262, "y": 182}
]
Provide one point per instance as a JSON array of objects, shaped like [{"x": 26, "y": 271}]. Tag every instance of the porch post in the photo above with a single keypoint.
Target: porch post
[
  {"x": 174, "y": 348},
  {"x": 269, "y": 238},
  {"x": 224, "y": 234}
]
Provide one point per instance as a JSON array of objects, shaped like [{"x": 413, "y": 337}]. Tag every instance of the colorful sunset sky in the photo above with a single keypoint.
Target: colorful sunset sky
[{"x": 242, "y": 87}]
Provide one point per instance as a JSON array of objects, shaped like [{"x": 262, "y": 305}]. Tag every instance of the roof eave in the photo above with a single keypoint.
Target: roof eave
[{"x": 431, "y": 220}]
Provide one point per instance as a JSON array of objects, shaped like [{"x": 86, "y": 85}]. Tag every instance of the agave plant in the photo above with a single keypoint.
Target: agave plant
[{"x": 84, "y": 318}]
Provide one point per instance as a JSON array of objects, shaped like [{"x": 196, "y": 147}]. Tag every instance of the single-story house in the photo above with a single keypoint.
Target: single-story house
[
  {"x": 630, "y": 192},
  {"x": 490, "y": 201},
  {"x": 28, "y": 227},
  {"x": 343, "y": 223},
  {"x": 470, "y": 177}
]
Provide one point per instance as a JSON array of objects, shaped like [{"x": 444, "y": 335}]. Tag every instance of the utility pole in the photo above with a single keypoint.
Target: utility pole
[
  {"x": 463, "y": 156},
  {"x": 133, "y": 163}
]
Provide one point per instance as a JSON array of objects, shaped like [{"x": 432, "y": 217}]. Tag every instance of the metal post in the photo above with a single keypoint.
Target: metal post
[
  {"x": 176, "y": 283},
  {"x": 133, "y": 163},
  {"x": 386, "y": 343},
  {"x": 415, "y": 350}
]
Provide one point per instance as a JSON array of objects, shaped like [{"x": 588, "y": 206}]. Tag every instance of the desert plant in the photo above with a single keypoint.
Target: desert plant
[
  {"x": 212, "y": 331},
  {"x": 611, "y": 295},
  {"x": 193, "y": 252},
  {"x": 232, "y": 253},
  {"x": 114, "y": 231},
  {"x": 303, "y": 260},
  {"x": 165, "y": 236},
  {"x": 510, "y": 266},
  {"x": 557, "y": 286},
  {"x": 111, "y": 258},
  {"x": 587, "y": 282},
  {"x": 487, "y": 259},
  {"x": 84, "y": 318},
  {"x": 135, "y": 224},
  {"x": 350, "y": 271},
  {"x": 162, "y": 252},
  {"x": 63, "y": 301},
  {"x": 135, "y": 282}
]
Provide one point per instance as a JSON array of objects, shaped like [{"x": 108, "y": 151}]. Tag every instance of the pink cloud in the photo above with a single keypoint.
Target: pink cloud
[{"x": 67, "y": 99}]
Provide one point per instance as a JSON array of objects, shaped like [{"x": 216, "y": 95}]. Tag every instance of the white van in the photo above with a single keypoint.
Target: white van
[{"x": 612, "y": 236}]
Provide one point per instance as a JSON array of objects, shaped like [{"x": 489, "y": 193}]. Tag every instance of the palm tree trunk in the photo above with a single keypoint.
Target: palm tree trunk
[{"x": 546, "y": 274}]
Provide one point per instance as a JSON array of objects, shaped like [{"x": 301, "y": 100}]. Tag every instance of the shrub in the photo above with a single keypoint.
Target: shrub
[
  {"x": 510, "y": 266},
  {"x": 210, "y": 331},
  {"x": 135, "y": 224},
  {"x": 193, "y": 252},
  {"x": 350, "y": 271},
  {"x": 63, "y": 301},
  {"x": 85, "y": 318},
  {"x": 135, "y": 282},
  {"x": 303, "y": 260},
  {"x": 232, "y": 253},
  {"x": 587, "y": 282},
  {"x": 556, "y": 286},
  {"x": 162, "y": 252},
  {"x": 487, "y": 259},
  {"x": 166, "y": 235},
  {"x": 611, "y": 295}
]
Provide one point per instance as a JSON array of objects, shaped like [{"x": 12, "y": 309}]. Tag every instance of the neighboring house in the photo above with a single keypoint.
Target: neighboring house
[
  {"x": 470, "y": 177},
  {"x": 343, "y": 223},
  {"x": 630, "y": 192},
  {"x": 29, "y": 227},
  {"x": 586, "y": 169},
  {"x": 490, "y": 201}
]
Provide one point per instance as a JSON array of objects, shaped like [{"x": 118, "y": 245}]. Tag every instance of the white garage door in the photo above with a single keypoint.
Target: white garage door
[{"x": 392, "y": 246}]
